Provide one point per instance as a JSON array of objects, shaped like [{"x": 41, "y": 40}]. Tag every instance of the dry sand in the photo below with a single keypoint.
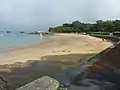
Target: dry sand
[{"x": 59, "y": 44}]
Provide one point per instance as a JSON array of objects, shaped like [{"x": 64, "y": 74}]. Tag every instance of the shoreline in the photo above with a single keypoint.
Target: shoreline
[
  {"x": 24, "y": 46},
  {"x": 20, "y": 47},
  {"x": 22, "y": 41},
  {"x": 63, "y": 46}
]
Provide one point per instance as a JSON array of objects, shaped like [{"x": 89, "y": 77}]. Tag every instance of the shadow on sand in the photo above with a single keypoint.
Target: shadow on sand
[{"x": 19, "y": 74}]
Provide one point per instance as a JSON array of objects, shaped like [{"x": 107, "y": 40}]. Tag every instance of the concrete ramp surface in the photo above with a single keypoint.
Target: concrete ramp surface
[{"x": 103, "y": 74}]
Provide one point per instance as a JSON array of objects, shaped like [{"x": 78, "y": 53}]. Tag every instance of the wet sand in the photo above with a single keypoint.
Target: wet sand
[{"x": 61, "y": 52}]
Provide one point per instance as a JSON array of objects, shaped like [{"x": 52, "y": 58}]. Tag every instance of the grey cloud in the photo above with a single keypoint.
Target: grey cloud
[{"x": 40, "y": 14}]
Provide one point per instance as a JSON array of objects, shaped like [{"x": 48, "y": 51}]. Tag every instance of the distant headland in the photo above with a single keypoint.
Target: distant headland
[{"x": 79, "y": 27}]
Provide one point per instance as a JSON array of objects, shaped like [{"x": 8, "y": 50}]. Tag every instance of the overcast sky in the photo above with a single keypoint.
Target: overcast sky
[{"x": 40, "y": 14}]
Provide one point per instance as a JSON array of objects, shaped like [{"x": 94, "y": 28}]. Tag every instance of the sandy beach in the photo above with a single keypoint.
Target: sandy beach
[
  {"x": 59, "y": 44},
  {"x": 22, "y": 65}
]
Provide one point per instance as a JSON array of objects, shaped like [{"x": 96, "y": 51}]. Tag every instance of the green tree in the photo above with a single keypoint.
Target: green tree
[
  {"x": 50, "y": 29},
  {"x": 78, "y": 27}
]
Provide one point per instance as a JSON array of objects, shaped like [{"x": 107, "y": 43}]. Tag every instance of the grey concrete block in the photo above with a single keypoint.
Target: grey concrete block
[{"x": 44, "y": 83}]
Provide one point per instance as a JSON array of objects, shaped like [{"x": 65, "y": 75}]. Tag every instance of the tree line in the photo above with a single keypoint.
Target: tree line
[{"x": 79, "y": 27}]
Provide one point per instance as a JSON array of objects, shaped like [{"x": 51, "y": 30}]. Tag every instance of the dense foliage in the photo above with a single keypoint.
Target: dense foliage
[
  {"x": 78, "y": 27},
  {"x": 62, "y": 87}
]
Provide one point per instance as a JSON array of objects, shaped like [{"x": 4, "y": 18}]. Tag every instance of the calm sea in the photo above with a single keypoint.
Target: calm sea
[{"x": 17, "y": 39}]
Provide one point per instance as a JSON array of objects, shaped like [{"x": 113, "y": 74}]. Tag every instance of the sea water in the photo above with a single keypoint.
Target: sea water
[{"x": 17, "y": 39}]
